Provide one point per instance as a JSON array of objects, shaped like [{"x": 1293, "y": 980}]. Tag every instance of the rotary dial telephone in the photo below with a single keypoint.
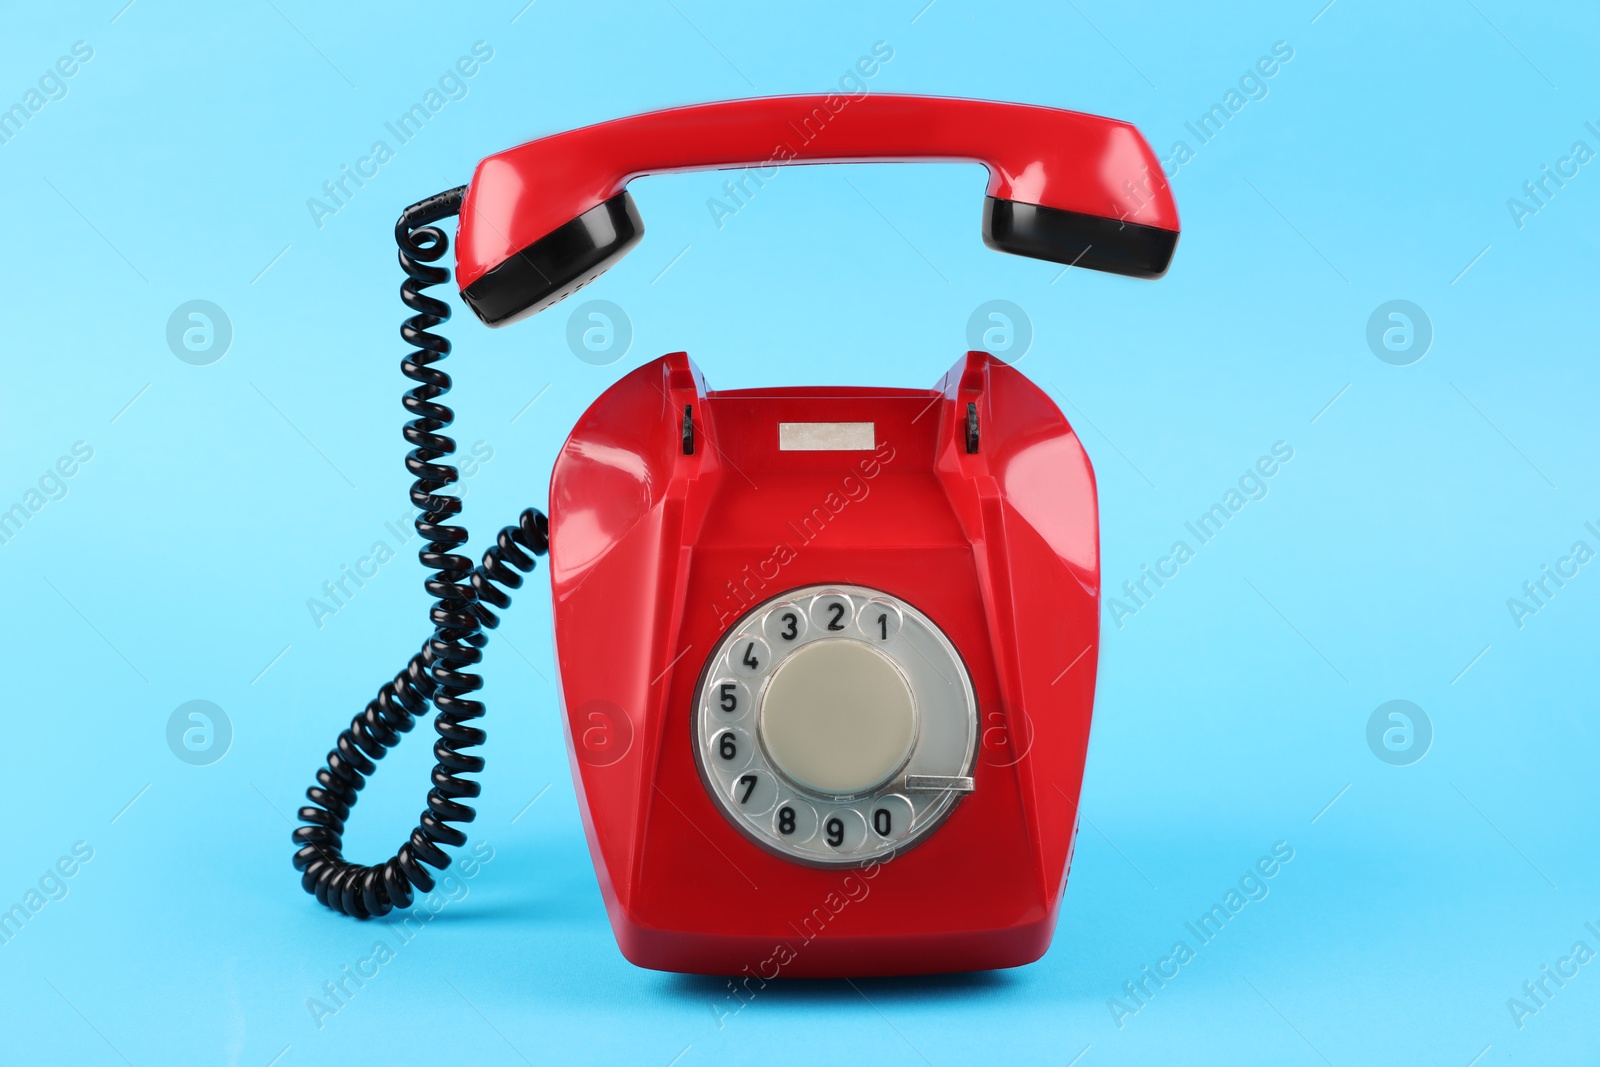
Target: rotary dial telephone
[{"x": 827, "y": 655}]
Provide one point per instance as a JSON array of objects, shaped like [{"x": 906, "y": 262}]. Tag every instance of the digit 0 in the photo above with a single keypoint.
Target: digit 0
[{"x": 883, "y": 822}]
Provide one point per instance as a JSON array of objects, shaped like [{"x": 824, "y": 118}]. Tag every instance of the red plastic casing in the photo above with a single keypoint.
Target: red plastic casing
[
  {"x": 1036, "y": 155},
  {"x": 655, "y": 553}
]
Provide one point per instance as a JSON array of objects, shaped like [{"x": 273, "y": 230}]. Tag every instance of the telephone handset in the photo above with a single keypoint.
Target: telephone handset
[
  {"x": 835, "y": 725},
  {"x": 544, "y": 219}
]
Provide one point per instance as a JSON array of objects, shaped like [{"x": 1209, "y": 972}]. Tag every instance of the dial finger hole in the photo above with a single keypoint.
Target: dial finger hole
[
  {"x": 730, "y": 750},
  {"x": 795, "y": 821},
  {"x": 843, "y": 829},
  {"x": 729, "y": 698},
  {"x": 890, "y": 817},
  {"x": 879, "y": 620},
  {"x": 748, "y": 656},
  {"x": 754, "y": 792},
  {"x": 785, "y": 625},
  {"x": 832, "y": 613}
]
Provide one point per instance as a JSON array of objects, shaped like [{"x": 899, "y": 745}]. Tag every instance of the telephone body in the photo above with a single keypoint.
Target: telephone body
[{"x": 827, "y": 655}]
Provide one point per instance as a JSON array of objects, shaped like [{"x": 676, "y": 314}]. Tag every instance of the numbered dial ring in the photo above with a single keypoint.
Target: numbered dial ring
[{"x": 835, "y": 724}]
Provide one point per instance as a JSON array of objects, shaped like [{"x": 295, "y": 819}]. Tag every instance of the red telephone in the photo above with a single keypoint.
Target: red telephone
[{"x": 827, "y": 655}]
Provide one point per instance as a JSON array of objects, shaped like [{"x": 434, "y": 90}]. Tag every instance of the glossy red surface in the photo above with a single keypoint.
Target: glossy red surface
[
  {"x": 655, "y": 553},
  {"x": 1035, "y": 155}
]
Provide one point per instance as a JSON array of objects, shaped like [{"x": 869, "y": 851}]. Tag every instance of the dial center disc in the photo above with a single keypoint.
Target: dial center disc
[{"x": 838, "y": 717}]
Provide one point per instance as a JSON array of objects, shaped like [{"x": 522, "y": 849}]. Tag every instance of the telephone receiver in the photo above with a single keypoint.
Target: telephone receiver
[
  {"x": 543, "y": 220},
  {"x": 833, "y": 725}
]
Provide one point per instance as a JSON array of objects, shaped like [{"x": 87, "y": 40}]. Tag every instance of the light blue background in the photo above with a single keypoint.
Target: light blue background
[{"x": 1232, "y": 708}]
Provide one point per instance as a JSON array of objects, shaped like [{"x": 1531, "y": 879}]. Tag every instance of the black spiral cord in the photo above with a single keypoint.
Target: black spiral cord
[{"x": 461, "y": 613}]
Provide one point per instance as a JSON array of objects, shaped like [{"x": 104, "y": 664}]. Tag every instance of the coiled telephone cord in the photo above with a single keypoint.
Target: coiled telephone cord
[{"x": 440, "y": 673}]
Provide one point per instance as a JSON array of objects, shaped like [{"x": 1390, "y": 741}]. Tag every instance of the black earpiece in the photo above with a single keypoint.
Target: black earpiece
[
  {"x": 557, "y": 264},
  {"x": 1089, "y": 241}
]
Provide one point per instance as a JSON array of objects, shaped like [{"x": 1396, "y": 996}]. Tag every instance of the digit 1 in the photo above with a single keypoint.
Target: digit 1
[{"x": 883, "y": 626}]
